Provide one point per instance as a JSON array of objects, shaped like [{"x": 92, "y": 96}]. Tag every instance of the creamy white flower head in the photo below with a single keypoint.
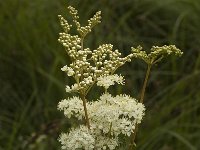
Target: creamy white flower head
[
  {"x": 69, "y": 70},
  {"x": 73, "y": 88},
  {"x": 72, "y": 106},
  {"x": 107, "y": 117},
  {"x": 116, "y": 115},
  {"x": 109, "y": 80},
  {"x": 68, "y": 89},
  {"x": 79, "y": 138},
  {"x": 64, "y": 68},
  {"x": 104, "y": 143}
]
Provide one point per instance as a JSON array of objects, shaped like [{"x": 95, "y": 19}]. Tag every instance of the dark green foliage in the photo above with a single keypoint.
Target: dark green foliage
[{"x": 31, "y": 82}]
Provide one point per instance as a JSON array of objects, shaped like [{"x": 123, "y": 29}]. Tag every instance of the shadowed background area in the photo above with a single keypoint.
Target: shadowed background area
[{"x": 31, "y": 82}]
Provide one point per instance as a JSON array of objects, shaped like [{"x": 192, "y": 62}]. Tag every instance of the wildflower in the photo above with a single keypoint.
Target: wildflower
[
  {"x": 109, "y": 80},
  {"x": 72, "y": 106},
  {"x": 78, "y": 138},
  {"x": 156, "y": 54},
  {"x": 109, "y": 116},
  {"x": 117, "y": 115},
  {"x": 73, "y": 88},
  {"x": 87, "y": 65},
  {"x": 69, "y": 70}
]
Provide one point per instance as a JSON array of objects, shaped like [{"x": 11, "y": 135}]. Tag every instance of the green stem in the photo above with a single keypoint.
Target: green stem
[
  {"x": 82, "y": 39},
  {"x": 145, "y": 84},
  {"x": 141, "y": 101},
  {"x": 82, "y": 95},
  {"x": 85, "y": 110},
  {"x": 106, "y": 90}
]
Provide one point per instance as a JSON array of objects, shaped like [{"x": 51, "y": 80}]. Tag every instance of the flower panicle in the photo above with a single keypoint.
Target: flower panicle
[
  {"x": 156, "y": 53},
  {"x": 108, "y": 117}
]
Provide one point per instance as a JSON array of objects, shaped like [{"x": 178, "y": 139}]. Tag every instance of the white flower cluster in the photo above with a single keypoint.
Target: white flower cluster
[
  {"x": 116, "y": 115},
  {"x": 73, "y": 88},
  {"x": 104, "y": 143},
  {"x": 83, "y": 31},
  {"x": 83, "y": 84},
  {"x": 72, "y": 43},
  {"x": 157, "y": 50},
  {"x": 78, "y": 138},
  {"x": 107, "y": 60},
  {"x": 156, "y": 54},
  {"x": 110, "y": 116},
  {"x": 69, "y": 70},
  {"x": 87, "y": 65},
  {"x": 109, "y": 80},
  {"x": 64, "y": 24},
  {"x": 72, "y": 106},
  {"x": 83, "y": 138}
]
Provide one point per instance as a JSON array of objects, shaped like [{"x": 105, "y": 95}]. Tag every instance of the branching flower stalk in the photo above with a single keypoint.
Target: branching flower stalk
[
  {"x": 145, "y": 83},
  {"x": 109, "y": 117},
  {"x": 85, "y": 110},
  {"x": 133, "y": 144},
  {"x": 156, "y": 55}
]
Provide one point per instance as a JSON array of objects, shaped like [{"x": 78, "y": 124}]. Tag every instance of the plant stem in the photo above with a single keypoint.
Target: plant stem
[
  {"x": 145, "y": 84},
  {"x": 141, "y": 101},
  {"x": 82, "y": 95},
  {"x": 85, "y": 110},
  {"x": 109, "y": 133}
]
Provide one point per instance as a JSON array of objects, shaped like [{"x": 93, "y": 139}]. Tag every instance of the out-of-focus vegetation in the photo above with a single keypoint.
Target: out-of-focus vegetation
[{"x": 31, "y": 82}]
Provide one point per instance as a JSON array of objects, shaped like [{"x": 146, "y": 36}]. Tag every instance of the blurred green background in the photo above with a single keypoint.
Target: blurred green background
[{"x": 31, "y": 82}]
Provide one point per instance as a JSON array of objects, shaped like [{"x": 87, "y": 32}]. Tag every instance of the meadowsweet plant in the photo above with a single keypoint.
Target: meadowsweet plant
[{"x": 105, "y": 120}]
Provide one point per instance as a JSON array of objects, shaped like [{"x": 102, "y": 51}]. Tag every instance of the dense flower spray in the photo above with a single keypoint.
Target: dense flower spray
[{"x": 109, "y": 117}]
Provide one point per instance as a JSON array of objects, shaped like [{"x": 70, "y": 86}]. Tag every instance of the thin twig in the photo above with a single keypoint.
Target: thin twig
[
  {"x": 145, "y": 84},
  {"x": 133, "y": 136},
  {"x": 82, "y": 95},
  {"x": 85, "y": 110}
]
